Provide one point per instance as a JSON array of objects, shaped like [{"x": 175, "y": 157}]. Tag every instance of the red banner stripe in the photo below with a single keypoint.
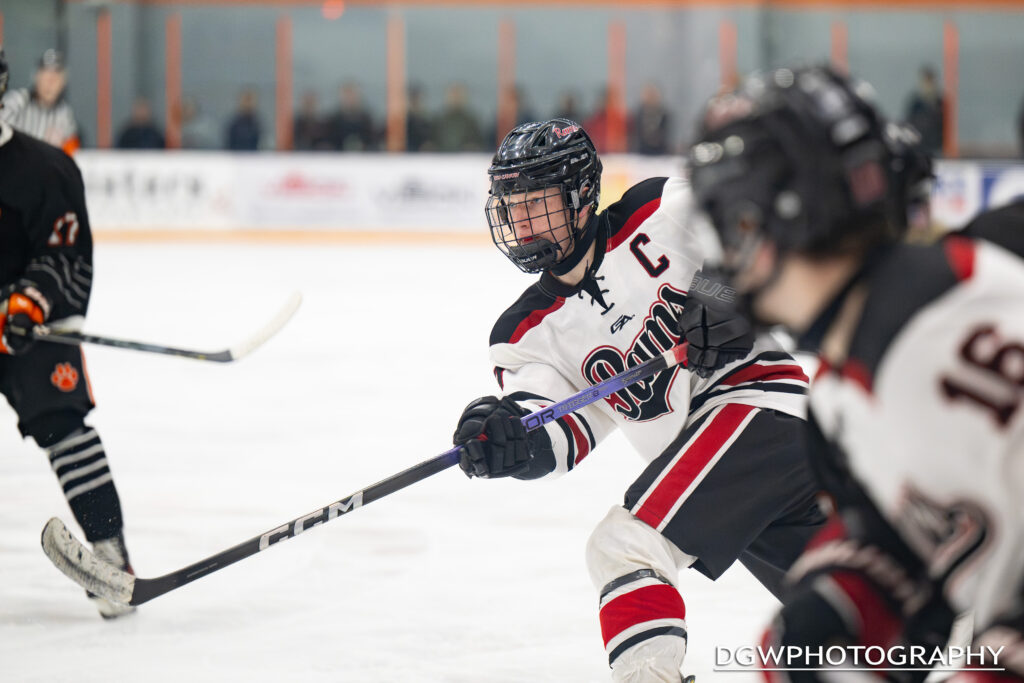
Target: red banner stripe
[
  {"x": 692, "y": 463},
  {"x": 636, "y": 607}
]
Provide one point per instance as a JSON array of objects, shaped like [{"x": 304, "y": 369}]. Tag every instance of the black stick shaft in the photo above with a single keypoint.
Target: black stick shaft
[{"x": 147, "y": 589}]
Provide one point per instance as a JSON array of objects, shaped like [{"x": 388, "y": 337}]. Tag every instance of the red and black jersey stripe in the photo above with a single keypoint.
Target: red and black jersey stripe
[
  {"x": 1003, "y": 226},
  {"x": 762, "y": 372},
  {"x": 526, "y": 313},
  {"x": 636, "y": 205},
  {"x": 578, "y": 433}
]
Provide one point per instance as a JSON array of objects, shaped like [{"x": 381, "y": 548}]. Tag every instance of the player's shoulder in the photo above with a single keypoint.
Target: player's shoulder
[
  {"x": 529, "y": 310},
  {"x": 663, "y": 196},
  {"x": 39, "y": 161},
  {"x": 907, "y": 280},
  {"x": 1003, "y": 226}
]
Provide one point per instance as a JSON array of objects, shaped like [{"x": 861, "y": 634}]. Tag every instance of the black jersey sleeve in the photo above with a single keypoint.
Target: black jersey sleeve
[{"x": 58, "y": 258}]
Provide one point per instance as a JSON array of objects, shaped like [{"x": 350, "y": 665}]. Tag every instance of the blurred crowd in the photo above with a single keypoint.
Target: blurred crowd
[{"x": 350, "y": 125}]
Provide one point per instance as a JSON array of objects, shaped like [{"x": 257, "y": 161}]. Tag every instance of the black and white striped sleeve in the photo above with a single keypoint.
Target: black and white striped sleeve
[{"x": 59, "y": 266}]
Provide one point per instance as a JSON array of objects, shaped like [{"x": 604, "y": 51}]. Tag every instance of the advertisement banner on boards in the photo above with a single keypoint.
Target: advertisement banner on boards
[{"x": 390, "y": 192}]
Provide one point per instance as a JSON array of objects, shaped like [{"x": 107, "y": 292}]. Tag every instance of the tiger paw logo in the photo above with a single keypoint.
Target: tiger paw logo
[{"x": 64, "y": 377}]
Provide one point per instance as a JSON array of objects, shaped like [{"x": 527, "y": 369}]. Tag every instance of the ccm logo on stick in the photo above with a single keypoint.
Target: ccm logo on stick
[{"x": 326, "y": 514}]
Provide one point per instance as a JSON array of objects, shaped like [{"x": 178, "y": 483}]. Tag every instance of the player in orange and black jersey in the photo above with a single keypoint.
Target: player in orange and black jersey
[{"x": 46, "y": 278}]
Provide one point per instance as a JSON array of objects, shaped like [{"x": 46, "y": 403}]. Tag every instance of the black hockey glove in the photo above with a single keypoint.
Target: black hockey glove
[
  {"x": 494, "y": 441},
  {"x": 717, "y": 333},
  {"x": 20, "y": 314}
]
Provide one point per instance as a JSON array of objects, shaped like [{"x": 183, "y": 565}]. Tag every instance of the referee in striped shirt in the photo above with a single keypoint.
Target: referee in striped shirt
[{"x": 42, "y": 112}]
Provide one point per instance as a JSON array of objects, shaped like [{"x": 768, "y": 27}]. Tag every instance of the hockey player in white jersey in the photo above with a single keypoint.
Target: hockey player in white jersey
[
  {"x": 727, "y": 478},
  {"x": 916, "y": 408}
]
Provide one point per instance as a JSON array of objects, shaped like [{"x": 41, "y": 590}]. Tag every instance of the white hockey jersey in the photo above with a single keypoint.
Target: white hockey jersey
[
  {"x": 926, "y": 408},
  {"x": 557, "y": 340}
]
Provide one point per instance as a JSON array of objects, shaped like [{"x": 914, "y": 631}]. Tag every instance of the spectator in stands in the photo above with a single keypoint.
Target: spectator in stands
[
  {"x": 925, "y": 111},
  {"x": 197, "y": 131},
  {"x": 350, "y": 128},
  {"x": 651, "y": 124},
  {"x": 141, "y": 132},
  {"x": 568, "y": 107},
  {"x": 43, "y": 112},
  {"x": 524, "y": 111},
  {"x": 419, "y": 124},
  {"x": 514, "y": 109},
  {"x": 608, "y": 126},
  {"x": 309, "y": 130},
  {"x": 458, "y": 127},
  {"x": 244, "y": 130}
]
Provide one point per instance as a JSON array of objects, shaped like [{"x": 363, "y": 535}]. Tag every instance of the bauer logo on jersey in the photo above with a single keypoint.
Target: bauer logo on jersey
[
  {"x": 64, "y": 377},
  {"x": 649, "y": 399}
]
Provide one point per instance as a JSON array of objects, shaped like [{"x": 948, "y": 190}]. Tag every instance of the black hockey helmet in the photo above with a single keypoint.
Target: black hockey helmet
[
  {"x": 4, "y": 72},
  {"x": 800, "y": 158},
  {"x": 543, "y": 174}
]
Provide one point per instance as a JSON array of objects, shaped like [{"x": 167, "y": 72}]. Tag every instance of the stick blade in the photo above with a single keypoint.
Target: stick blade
[
  {"x": 274, "y": 326},
  {"x": 78, "y": 563}
]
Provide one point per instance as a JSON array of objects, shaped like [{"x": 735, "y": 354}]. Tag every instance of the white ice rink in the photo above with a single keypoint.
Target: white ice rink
[{"x": 450, "y": 580}]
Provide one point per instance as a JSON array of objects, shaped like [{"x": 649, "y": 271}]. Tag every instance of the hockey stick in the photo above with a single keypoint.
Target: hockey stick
[
  {"x": 243, "y": 348},
  {"x": 70, "y": 556}
]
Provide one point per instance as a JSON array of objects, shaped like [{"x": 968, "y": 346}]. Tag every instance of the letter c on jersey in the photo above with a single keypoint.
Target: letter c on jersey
[{"x": 652, "y": 269}]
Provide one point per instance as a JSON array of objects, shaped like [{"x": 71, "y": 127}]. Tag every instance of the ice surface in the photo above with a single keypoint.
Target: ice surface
[{"x": 450, "y": 580}]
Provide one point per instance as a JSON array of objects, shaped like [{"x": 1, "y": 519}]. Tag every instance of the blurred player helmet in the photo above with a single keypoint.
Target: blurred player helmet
[
  {"x": 534, "y": 157},
  {"x": 4, "y": 72},
  {"x": 914, "y": 172},
  {"x": 800, "y": 158}
]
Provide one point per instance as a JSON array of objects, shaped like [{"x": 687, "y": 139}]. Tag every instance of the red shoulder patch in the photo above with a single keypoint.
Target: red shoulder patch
[{"x": 960, "y": 253}]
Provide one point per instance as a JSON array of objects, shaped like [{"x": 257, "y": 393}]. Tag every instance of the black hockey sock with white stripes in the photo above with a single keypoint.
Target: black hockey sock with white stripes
[{"x": 80, "y": 464}]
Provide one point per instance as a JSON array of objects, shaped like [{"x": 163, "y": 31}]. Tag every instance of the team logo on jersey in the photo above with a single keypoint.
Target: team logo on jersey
[
  {"x": 645, "y": 400},
  {"x": 949, "y": 535},
  {"x": 621, "y": 322},
  {"x": 64, "y": 377}
]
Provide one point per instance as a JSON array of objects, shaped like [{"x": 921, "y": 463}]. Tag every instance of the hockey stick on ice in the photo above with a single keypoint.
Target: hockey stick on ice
[
  {"x": 70, "y": 556},
  {"x": 243, "y": 348}
]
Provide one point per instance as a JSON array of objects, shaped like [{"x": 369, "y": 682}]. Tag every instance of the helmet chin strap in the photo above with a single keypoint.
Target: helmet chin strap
[{"x": 581, "y": 241}]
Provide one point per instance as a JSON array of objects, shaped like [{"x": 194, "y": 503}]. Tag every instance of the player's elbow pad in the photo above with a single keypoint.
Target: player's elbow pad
[{"x": 543, "y": 461}]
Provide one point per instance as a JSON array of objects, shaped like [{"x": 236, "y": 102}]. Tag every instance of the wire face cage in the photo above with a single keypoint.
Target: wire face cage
[{"x": 533, "y": 229}]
